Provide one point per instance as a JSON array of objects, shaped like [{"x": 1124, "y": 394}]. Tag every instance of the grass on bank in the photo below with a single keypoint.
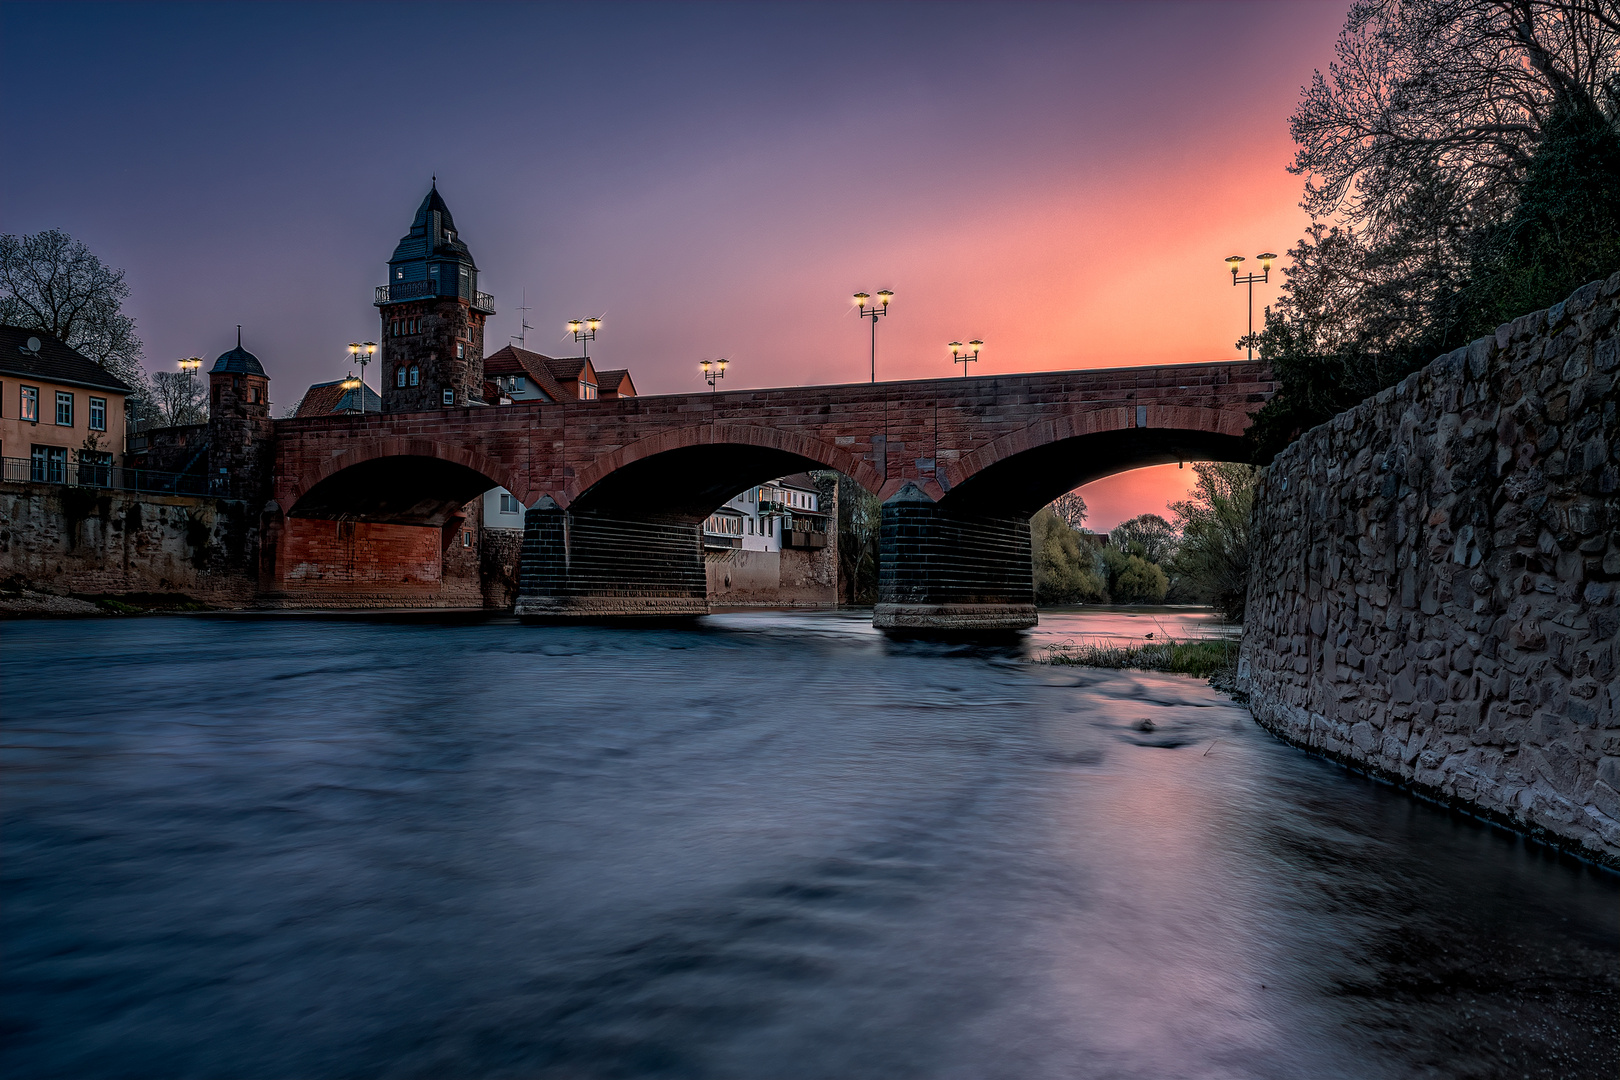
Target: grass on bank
[{"x": 1202, "y": 657}]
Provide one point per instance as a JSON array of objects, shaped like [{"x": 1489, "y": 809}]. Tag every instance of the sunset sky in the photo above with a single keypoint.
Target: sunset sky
[{"x": 1059, "y": 180}]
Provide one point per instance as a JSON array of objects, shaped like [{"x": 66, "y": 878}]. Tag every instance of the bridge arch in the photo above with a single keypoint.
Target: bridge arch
[
  {"x": 1024, "y": 470},
  {"x": 408, "y": 481},
  {"x": 684, "y": 473}
]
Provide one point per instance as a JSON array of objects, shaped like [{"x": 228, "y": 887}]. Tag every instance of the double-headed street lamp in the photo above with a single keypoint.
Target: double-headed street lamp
[
  {"x": 362, "y": 352},
  {"x": 585, "y": 330},
  {"x": 190, "y": 366},
  {"x": 1266, "y": 260},
  {"x": 874, "y": 312},
  {"x": 965, "y": 354},
  {"x": 714, "y": 371}
]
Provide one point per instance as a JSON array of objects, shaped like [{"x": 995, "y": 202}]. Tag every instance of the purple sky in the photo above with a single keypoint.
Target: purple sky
[{"x": 1059, "y": 180}]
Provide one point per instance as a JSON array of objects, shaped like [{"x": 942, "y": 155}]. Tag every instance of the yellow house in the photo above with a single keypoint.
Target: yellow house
[{"x": 61, "y": 413}]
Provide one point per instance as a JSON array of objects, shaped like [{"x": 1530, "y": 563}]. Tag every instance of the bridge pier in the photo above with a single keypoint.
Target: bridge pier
[
  {"x": 592, "y": 566},
  {"x": 943, "y": 570}
]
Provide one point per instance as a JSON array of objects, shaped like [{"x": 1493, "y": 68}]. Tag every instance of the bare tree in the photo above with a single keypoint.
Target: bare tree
[
  {"x": 1071, "y": 510},
  {"x": 179, "y": 399},
  {"x": 52, "y": 282}
]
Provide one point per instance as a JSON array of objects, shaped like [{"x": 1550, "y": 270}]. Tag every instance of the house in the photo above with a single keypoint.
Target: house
[
  {"x": 326, "y": 398},
  {"x": 774, "y": 545},
  {"x": 61, "y": 413}
]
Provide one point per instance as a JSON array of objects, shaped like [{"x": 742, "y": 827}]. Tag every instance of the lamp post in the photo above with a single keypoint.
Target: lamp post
[
  {"x": 362, "y": 352},
  {"x": 190, "y": 365},
  {"x": 874, "y": 312},
  {"x": 714, "y": 371},
  {"x": 584, "y": 330},
  {"x": 965, "y": 354},
  {"x": 1266, "y": 260}
]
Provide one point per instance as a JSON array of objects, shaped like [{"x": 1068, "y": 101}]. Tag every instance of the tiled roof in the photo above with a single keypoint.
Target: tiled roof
[
  {"x": 515, "y": 361},
  {"x": 565, "y": 368},
  {"x": 54, "y": 362},
  {"x": 323, "y": 399},
  {"x": 615, "y": 383}
]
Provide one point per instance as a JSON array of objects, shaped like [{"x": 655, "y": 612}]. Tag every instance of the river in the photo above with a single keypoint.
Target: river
[{"x": 773, "y": 845}]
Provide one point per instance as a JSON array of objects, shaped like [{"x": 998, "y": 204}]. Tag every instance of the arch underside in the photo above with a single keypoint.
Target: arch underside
[
  {"x": 1019, "y": 485},
  {"x": 689, "y": 483},
  {"x": 399, "y": 490}
]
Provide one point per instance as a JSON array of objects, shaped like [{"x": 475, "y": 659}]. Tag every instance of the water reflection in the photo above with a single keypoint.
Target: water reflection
[{"x": 776, "y": 845}]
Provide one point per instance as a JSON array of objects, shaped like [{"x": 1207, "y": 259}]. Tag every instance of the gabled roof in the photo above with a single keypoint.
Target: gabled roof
[
  {"x": 54, "y": 362},
  {"x": 323, "y": 399},
  {"x": 515, "y": 361},
  {"x": 615, "y": 383},
  {"x": 566, "y": 368}
]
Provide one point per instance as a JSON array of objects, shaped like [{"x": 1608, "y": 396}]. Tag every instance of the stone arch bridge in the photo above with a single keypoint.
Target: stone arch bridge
[{"x": 617, "y": 490}]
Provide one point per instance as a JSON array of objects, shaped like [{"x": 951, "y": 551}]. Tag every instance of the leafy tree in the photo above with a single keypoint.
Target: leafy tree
[
  {"x": 1147, "y": 535},
  {"x": 1214, "y": 554},
  {"x": 1132, "y": 579},
  {"x": 860, "y": 518},
  {"x": 52, "y": 282},
  {"x": 1467, "y": 149},
  {"x": 178, "y": 399},
  {"x": 1065, "y": 561}
]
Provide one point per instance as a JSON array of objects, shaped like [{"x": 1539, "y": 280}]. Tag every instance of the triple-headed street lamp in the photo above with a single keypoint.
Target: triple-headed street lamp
[
  {"x": 584, "y": 330},
  {"x": 714, "y": 371},
  {"x": 362, "y": 352},
  {"x": 965, "y": 354},
  {"x": 874, "y": 312},
  {"x": 1266, "y": 259}
]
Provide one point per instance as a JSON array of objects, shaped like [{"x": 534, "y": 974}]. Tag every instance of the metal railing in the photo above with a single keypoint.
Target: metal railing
[
  {"x": 116, "y": 477},
  {"x": 421, "y": 290},
  {"x": 484, "y": 302}
]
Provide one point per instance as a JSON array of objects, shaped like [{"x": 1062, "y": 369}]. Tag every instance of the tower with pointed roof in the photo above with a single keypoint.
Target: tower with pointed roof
[
  {"x": 433, "y": 316},
  {"x": 240, "y": 432}
]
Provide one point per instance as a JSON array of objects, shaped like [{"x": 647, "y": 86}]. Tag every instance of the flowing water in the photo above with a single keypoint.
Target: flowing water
[{"x": 772, "y": 845}]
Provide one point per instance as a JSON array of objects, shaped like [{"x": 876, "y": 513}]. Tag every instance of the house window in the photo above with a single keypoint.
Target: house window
[
  {"x": 517, "y": 382},
  {"x": 98, "y": 414},
  {"x": 449, "y": 397},
  {"x": 48, "y": 464},
  {"x": 415, "y": 375},
  {"x": 466, "y": 539},
  {"x": 64, "y": 409},
  {"x": 29, "y": 404},
  {"x": 399, "y": 274},
  {"x": 461, "y": 351},
  {"x": 587, "y": 391},
  {"x": 510, "y": 504},
  {"x": 750, "y": 526},
  {"x": 399, "y": 375}
]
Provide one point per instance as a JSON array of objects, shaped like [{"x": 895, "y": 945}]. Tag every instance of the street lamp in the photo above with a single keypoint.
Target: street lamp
[
  {"x": 190, "y": 365},
  {"x": 362, "y": 352},
  {"x": 584, "y": 330},
  {"x": 873, "y": 311},
  {"x": 965, "y": 354},
  {"x": 714, "y": 370},
  {"x": 1266, "y": 259}
]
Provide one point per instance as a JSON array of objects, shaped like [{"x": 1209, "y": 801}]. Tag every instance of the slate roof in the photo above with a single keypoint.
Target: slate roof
[
  {"x": 323, "y": 399},
  {"x": 238, "y": 361},
  {"x": 515, "y": 361},
  {"x": 54, "y": 363}
]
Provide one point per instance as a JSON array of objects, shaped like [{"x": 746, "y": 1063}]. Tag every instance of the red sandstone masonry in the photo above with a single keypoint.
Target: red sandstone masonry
[{"x": 962, "y": 425}]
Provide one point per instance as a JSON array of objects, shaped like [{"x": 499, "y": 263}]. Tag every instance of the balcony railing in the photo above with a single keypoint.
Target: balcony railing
[
  {"x": 484, "y": 302},
  {"x": 404, "y": 290},
  {"x": 115, "y": 477}
]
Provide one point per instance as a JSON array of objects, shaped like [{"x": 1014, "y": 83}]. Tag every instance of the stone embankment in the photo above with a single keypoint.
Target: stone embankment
[{"x": 1433, "y": 592}]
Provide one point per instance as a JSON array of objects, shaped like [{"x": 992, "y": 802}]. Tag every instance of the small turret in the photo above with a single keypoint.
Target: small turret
[{"x": 240, "y": 431}]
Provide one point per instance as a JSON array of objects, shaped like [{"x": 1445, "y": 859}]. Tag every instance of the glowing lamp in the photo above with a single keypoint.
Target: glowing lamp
[
  {"x": 955, "y": 347},
  {"x": 861, "y": 298},
  {"x": 885, "y": 296},
  {"x": 975, "y": 345},
  {"x": 1266, "y": 259},
  {"x": 594, "y": 324},
  {"x": 574, "y": 325}
]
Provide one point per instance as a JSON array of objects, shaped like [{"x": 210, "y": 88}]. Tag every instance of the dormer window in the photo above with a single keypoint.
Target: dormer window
[{"x": 587, "y": 391}]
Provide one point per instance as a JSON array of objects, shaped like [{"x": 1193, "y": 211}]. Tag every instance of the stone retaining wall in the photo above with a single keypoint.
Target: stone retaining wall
[
  {"x": 1433, "y": 589},
  {"x": 63, "y": 539}
]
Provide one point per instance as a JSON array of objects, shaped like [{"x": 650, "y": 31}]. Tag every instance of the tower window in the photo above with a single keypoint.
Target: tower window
[
  {"x": 461, "y": 351},
  {"x": 449, "y": 397},
  {"x": 415, "y": 375},
  {"x": 399, "y": 375}
]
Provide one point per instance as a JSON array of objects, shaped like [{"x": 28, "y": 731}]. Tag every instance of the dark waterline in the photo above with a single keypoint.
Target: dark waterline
[{"x": 769, "y": 846}]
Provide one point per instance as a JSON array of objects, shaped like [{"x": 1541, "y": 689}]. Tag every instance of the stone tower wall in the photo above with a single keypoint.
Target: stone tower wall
[
  {"x": 445, "y": 321},
  {"x": 1432, "y": 595}
]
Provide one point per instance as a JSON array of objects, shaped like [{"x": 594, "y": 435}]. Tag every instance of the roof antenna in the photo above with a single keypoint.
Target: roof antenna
[{"x": 523, "y": 320}]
